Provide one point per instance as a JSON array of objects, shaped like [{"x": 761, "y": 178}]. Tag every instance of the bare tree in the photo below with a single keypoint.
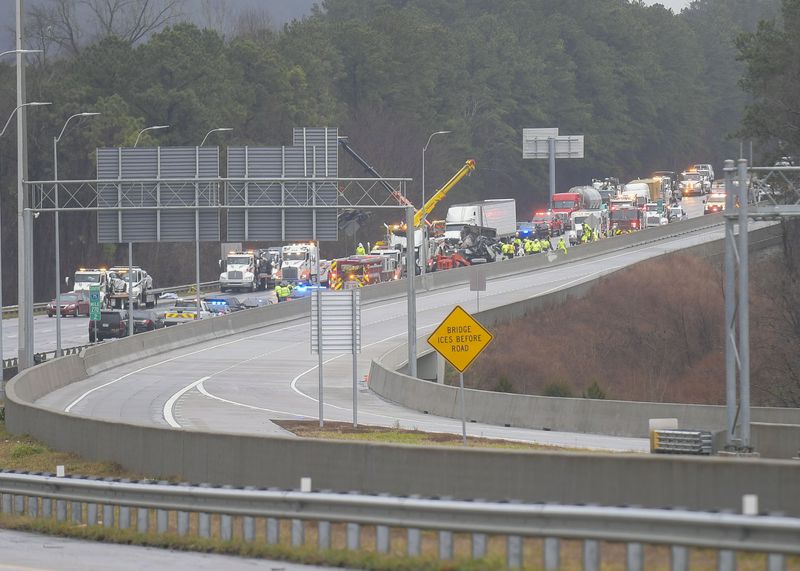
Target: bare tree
[
  {"x": 255, "y": 23},
  {"x": 72, "y": 24}
]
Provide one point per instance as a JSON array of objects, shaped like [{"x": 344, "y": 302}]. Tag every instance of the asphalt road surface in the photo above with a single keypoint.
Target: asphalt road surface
[
  {"x": 75, "y": 331},
  {"x": 239, "y": 383},
  {"x": 31, "y": 552}
]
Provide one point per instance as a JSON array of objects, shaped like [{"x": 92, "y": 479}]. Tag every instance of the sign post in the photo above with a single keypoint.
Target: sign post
[
  {"x": 94, "y": 303},
  {"x": 477, "y": 283},
  {"x": 460, "y": 339},
  {"x": 548, "y": 144},
  {"x": 336, "y": 328}
]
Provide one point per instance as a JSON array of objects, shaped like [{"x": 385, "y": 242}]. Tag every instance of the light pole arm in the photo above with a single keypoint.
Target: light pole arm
[{"x": 10, "y": 117}]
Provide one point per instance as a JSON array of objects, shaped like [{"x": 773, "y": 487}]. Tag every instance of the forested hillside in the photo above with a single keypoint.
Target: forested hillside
[{"x": 648, "y": 88}]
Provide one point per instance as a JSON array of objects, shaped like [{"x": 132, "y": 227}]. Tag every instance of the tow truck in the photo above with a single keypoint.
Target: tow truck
[
  {"x": 398, "y": 237},
  {"x": 142, "y": 292},
  {"x": 246, "y": 271}
]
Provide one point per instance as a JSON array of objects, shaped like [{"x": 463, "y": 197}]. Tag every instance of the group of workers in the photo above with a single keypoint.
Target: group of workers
[
  {"x": 526, "y": 246},
  {"x": 283, "y": 290}
]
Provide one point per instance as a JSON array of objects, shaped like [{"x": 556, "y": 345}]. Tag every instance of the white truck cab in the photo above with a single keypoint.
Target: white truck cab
[
  {"x": 239, "y": 272},
  {"x": 299, "y": 263}
]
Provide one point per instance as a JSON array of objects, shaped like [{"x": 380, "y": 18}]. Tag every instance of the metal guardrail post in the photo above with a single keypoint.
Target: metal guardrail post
[
  {"x": 19, "y": 504},
  {"x": 33, "y": 506},
  {"x": 161, "y": 521},
  {"x": 776, "y": 562},
  {"x": 91, "y": 514},
  {"x": 77, "y": 512},
  {"x": 47, "y": 508},
  {"x": 298, "y": 533},
  {"x": 514, "y": 551},
  {"x": 414, "y": 542},
  {"x": 591, "y": 555},
  {"x": 124, "y": 517},
  {"x": 353, "y": 536},
  {"x": 726, "y": 560},
  {"x": 142, "y": 520},
  {"x": 108, "y": 515},
  {"x": 445, "y": 545},
  {"x": 61, "y": 510},
  {"x": 382, "y": 539},
  {"x": 478, "y": 545},
  {"x": 635, "y": 557},
  {"x": 552, "y": 553},
  {"x": 225, "y": 527},
  {"x": 249, "y": 529},
  {"x": 183, "y": 523},
  {"x": 273, "y": 531},
  {"x": 204, "y": 524},
  {"x": 679, "y": 558}
]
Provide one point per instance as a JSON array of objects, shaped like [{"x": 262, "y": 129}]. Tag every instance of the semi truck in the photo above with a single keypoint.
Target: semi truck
[
  {"x": 299, "y": 263},
  {"x": 245, "y": 271},
  {"x": 578, "y": 198},
  {"x": 495, "y": 218}
]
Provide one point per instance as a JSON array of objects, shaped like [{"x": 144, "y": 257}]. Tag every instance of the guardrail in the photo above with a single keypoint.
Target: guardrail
[
  {"x": 184, "y": 508},
  {"x": 38, "y": 307}
]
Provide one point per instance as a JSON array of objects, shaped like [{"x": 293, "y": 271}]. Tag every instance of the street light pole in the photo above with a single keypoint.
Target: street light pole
[
  {"x": 2, "y": 353},
  {"x": 153, "y": 128},
  {"x": 423, "y": 249},
  {"x": 217, "y": 130},
  {"x": 55, "y": 200}
]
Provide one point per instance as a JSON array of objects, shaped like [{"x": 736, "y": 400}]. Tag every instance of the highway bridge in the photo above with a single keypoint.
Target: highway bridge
[{"x": 240, "y": 383}]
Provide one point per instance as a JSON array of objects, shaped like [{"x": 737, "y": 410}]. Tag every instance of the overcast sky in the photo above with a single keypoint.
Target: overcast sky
[{"x": 676, "y": 5}]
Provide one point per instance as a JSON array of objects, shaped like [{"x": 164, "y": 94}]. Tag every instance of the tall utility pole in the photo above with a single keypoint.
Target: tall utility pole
[{"x": 24, "y": 249}]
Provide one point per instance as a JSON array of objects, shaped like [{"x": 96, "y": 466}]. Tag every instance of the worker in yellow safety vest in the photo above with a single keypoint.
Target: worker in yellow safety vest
[
  {"x": 562, "y": 245},
  {"x": 360, "y": 250},
  {"x": 528, "y": 246},
  {"x": 537, "y": 246}
]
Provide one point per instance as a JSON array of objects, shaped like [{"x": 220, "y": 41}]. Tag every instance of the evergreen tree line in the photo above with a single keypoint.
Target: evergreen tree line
[{"x": 649, "y": 90}]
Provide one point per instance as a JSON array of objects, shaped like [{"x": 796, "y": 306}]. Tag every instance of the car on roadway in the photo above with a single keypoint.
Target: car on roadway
[
  {"x": 146, "y": 320},
  {"x": 234, "y": 303},
  {"x": 113, "y": 323},
  {"x": 75, "y": 303},
  {"x": 253, "y": 302}
]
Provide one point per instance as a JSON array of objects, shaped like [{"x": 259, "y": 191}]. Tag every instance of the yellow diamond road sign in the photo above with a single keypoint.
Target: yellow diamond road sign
[{"x": 460, "y": 338}]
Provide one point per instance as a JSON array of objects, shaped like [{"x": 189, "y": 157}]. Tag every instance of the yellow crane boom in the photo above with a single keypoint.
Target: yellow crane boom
[{"x": 439, "y": 195}]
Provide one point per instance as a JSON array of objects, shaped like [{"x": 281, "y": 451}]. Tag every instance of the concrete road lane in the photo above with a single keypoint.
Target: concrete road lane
[
  {"x": 32, "y": 552},
  {"x": 240, "y": 383}
]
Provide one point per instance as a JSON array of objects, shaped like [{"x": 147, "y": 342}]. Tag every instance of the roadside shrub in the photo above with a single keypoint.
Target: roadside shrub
[
  {"x": 557, "y": 389},
  {"x": 594, "y": 391},
  {"x": 24, "y": 449}
]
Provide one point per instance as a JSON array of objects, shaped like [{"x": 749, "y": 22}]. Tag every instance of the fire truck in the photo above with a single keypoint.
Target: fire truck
[{"x": 359, "y": 271}]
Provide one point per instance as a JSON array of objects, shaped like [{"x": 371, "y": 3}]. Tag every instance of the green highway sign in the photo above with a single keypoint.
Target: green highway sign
[{"x": 94, "y": 303}]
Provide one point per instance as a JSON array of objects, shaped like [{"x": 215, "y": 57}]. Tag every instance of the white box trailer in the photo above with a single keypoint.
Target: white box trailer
[{"x": 499, "y": 215}]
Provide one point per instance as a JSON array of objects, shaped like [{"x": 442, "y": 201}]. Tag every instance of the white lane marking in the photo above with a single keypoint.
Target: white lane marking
[
  {"x": 168, "y": 416},
  {"x": 126, "y": 375},
  {"x": 202, "y": 389},
  {"x": 170, "y": 404}
]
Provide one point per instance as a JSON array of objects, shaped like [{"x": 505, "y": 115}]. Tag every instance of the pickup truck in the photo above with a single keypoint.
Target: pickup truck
[{"x": 185, "y": 310}]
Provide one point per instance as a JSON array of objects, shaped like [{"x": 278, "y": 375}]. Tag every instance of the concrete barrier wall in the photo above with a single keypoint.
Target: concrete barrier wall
[
  {"x": 606, "y": 479},
  {"x": 774, "y": 440},
  {"x": 619, "y": 418}
]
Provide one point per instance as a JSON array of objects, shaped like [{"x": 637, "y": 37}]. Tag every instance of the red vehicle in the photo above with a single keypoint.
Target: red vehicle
[
  {"x": 75, "y": 303},
  {"x": 578, "y": 198},
  {"x": 358, "y": 271},
  {"x": 547, "y": 223}
]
